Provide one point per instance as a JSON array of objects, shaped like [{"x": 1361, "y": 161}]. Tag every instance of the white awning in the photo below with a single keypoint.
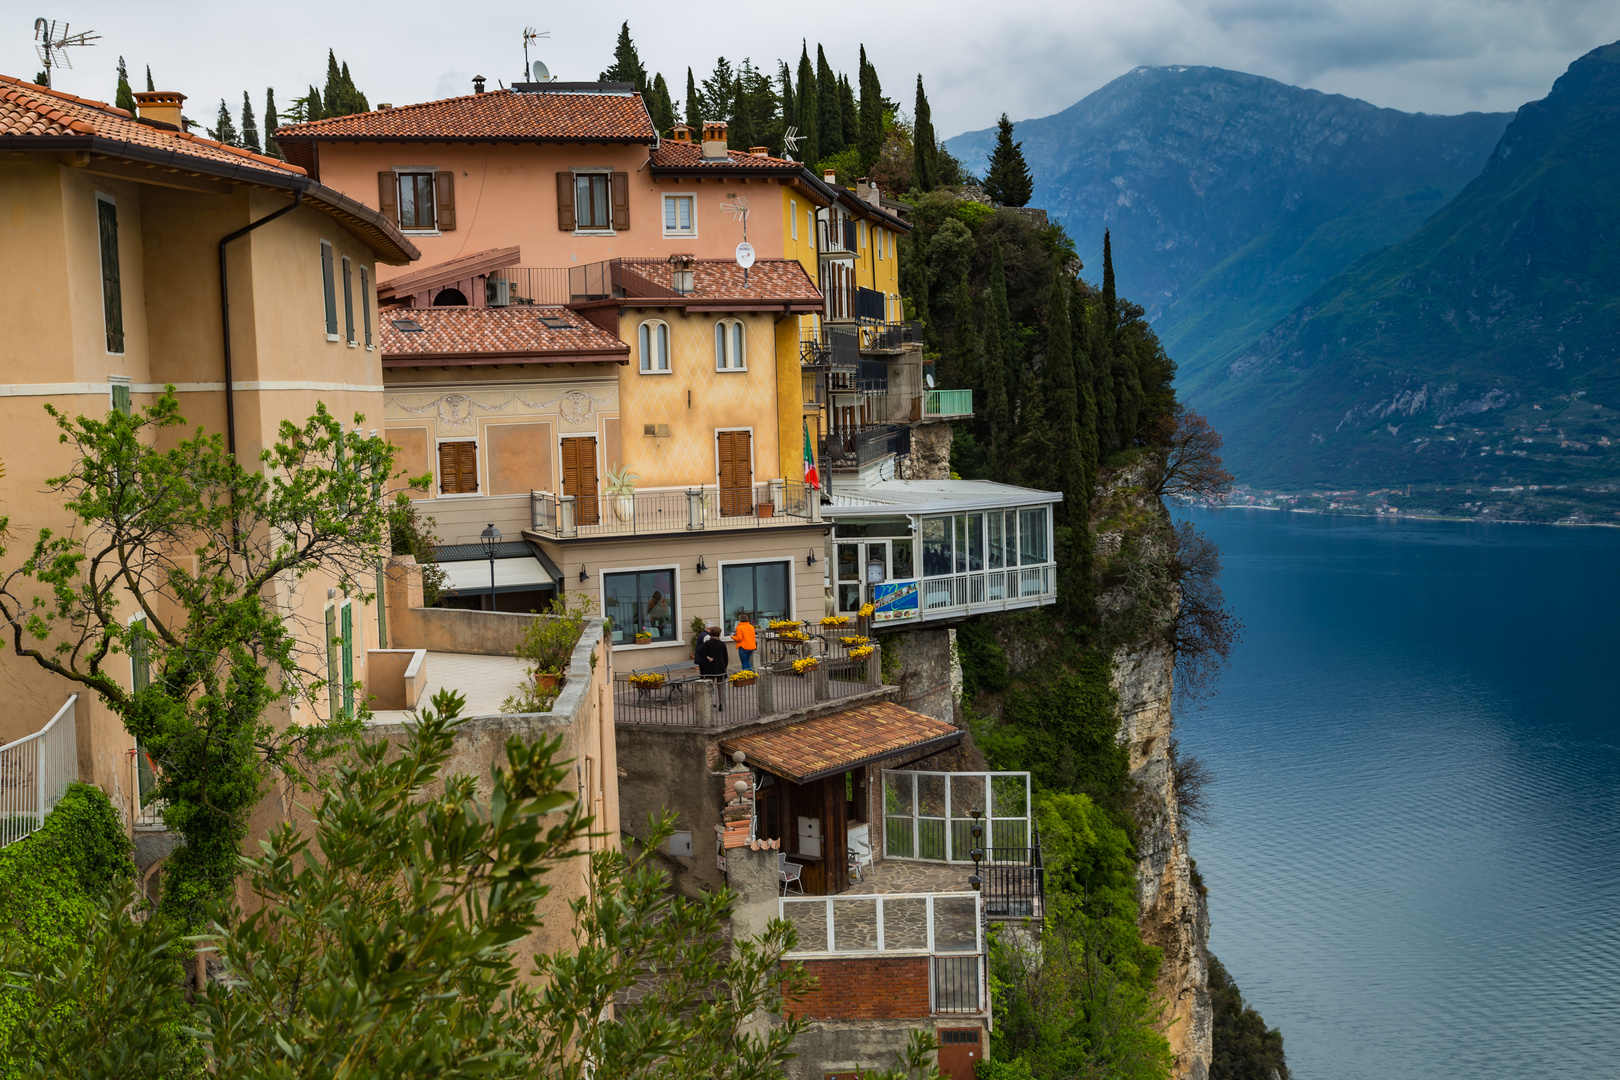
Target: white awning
[{"x": 523, "y": 574}]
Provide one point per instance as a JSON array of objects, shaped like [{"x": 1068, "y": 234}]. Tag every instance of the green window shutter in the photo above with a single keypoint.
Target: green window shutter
[
  {"x": 348, "y": 660},
  {"x": 334, "y": 674},
  {"x": 140, "y": 664},
  {"x": 120, "y": 398},
  {"x": 365, "y": 304},
  {"x": 348, "y": 302},
  {"x": 329, "y": 288},
  {"x": 112, "y": 295}
]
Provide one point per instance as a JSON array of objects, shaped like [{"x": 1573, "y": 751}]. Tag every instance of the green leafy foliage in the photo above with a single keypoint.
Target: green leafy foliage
[
  {"x": 411, "y": 533},
  {"x": 1244, "y": 1048}
]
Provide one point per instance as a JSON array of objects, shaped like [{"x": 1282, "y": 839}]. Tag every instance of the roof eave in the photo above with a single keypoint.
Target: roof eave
[
  {"x": 612, "y": 139},
  {"x": 493, "y": 359}
]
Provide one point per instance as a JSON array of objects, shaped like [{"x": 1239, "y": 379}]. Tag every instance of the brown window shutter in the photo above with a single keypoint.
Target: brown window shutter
[
  {"x": 458, "y": 468},
  {"x": 565, "y": 201},
  {"x": 467, "y": 467},
  {"x": 447, "y": 468},
  {"x": 444, "y": 183},
  {"x": 388, "y": 195},
  {"x": 621, "y": 201}
]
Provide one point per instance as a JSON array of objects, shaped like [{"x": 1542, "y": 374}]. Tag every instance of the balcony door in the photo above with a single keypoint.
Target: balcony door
[
  {"x": 579, "y": 477},
  {"x": 736, "y": 467}
]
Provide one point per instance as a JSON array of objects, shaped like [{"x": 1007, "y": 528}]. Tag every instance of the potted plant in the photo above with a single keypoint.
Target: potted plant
[
  {"x": 549, "y": 642},
  {"x": 742, "y": 678},
  {"x": 765, "y": 509},
  {"x": 805, "y": 666},
  {"x": 621, "y": 491},
  {"x": 644, "y": 637}
]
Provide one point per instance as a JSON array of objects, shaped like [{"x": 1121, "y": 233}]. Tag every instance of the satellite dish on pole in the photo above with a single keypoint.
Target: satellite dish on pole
[
  {"x": 541, "y": 72},
  {"x": 745, "y": 255},
  {"x": 930, "y": 379}
]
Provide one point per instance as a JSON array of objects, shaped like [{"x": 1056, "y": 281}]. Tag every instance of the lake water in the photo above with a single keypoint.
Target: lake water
[{"x": 1415, "y": 867}]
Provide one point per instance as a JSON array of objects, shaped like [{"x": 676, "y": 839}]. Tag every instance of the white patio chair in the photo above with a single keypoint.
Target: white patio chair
[{"x": 789, "y": 873}]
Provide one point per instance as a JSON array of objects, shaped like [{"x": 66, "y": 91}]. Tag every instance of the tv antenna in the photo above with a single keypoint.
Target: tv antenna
[
  {"x": 52, "y": 44},
  {"x": 792, "y": 139},
  {"x": 738, "y": 208},
  {"x": 531, "y": 34}
]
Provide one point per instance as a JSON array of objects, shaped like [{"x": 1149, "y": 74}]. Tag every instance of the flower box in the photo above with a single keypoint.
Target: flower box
[{"x": 743, "y": 678}]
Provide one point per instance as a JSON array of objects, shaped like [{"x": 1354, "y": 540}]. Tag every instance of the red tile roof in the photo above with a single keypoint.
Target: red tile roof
[
  {"x": 842, "y": 740},
  {"x": 35, "y": 118},
  {"x": 771, "y": 282},
  {"x": 676, "y": 156},
  {"x": 469, "y": 336},
  {"x": 499, "y": 115}
]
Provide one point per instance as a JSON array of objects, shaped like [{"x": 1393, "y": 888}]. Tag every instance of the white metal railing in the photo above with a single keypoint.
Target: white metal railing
[
  {"x": 933, "y": 924},
  {"x": 666, "y": 510},
  {"x": 929, "y": 815},
  {"x": 35, "y": 772},
  {"x": 1015, "y": 585}
]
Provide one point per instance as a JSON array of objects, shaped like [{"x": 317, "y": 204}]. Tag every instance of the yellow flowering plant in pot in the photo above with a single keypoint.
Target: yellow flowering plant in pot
[
  {"x": 805, "y": 665},
  {"x": 743, "y": 678}
]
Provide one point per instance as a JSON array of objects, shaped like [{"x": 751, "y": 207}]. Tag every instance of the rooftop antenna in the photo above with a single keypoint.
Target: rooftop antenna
[
  {"x": 791, "y": 140},
  {"x": 738, "y": 208},
  {"x": 52, "y": 44},
  {"x": 531, "y": 34}
]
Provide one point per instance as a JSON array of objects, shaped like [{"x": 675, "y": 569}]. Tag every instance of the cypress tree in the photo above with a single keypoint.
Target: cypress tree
[
  {"x": 659, "y": 105},
  {"x": 693, "y": 103},
  {"x": 788, "y": 102},
  {"x": 998, "y": 333},
  {"x": 924, "y": 149},
  {"x": 271, "y": 122},
  {"x": 149, "y": 87},
  {"x": 1062, "y": 397},
  {"x": 314, "y": 108},
  {"x": 1127, "y": 386},
  {"x": 333, "y": 97},
  {"x": 1086, "y": 397},
  {"x": 871, "y": 114},
  {"x": 1008, "y": 181},
  {"x": 627, "y": 66},
  {"x": 123, "y": 97},
  {"x": 225, "y": 128},
  {"x": 250, "y": 127},
  {"x": 1034, "y": 460},
  {"x": 830, "y": 108},
  {"x": 963, "y": 369},
  {"x": 1102, "y": 380},
  {"x": 720, "y": 92},
  {"x": 806, "y": 116},
  {"x": 850, "y": 113}
]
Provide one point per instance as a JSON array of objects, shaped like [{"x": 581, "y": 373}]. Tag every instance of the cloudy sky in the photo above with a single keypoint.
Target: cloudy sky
[{"x": 1027, "y": 57}]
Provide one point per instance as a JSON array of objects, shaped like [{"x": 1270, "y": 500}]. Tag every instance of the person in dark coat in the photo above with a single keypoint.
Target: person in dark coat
[{"x": 712, "y": 661}]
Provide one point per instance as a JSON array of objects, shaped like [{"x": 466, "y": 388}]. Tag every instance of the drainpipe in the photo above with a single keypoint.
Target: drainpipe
[{"x": 225, "y": 314}]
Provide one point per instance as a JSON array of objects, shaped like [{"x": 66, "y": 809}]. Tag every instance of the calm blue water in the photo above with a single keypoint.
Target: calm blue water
[{"x": 1415, "y": 868}]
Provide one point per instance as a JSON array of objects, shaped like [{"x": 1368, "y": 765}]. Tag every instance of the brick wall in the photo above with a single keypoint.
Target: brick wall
[{"x": 866, "y": 988}]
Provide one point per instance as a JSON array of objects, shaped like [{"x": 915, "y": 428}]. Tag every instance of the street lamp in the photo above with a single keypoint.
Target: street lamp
[{"x": 491, "y": 539}]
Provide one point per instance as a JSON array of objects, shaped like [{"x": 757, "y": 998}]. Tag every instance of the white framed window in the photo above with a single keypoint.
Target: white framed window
[
  {"x": 877, "y": 238},
  {"x": 680, "y": 215},
  {"x": 641, "y": 599},
  {"x": 652, "y": 341},
  {"x": 418, "y": 202},
  {"x": 862, "y": 227},
  {"x": 793, "y": 217},
  {"x": 730, "y": 345}
]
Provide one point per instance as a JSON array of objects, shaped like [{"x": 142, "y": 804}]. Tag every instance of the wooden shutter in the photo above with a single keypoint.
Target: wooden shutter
[
  {"x": 736, "y": 474},
  {"x": 621, "y": 201},
  {"x": 388, "y": 195},
  {"x": 458, "y": 468},
  {"x": 565, "y": 201},
  {"x": 579, "y": 477},
  {"x": 444, "y": 184}
]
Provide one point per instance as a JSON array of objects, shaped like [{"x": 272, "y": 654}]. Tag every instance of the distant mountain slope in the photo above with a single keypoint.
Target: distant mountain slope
[
  {"x": 1485, "y": 346},
  {"x": 1232, "y": 197}
]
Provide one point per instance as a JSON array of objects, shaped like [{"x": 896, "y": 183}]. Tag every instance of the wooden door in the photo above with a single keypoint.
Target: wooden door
[
  {"x": 579, "y": 477},
  {"x": 835, "y": 833},
  {"x": 960, "y": 1049},
  {"x": 736, "y": 473}
]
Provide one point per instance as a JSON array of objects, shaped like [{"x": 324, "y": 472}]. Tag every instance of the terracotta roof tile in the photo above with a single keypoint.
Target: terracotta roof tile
[
  {"x": 499, "y": 114},
  {"x": 839, "y": 741},
  {"x": 26, "y": 109},
  {"x": 769, "y": 281},
  {"x": 511, "y": 334},
  {"x": 675, "y": 155}
]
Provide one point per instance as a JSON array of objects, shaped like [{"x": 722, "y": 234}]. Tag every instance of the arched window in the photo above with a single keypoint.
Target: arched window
[
  {"x": 729, "y": 341},
  {"x": 450, "y": 298},
  {"x": 653, "y": 340}
]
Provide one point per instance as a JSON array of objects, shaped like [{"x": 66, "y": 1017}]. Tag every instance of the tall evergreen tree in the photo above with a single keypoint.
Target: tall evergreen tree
[
  {"x": 1086, "y": 397},
  {"x": 250, "y": 126},
  {"x": 123, "y": 97},
  {"x": 756, "y": 113},
  {"x": 1127, "y": 385},
  {"x": 1110, "y": 297},
  {"x": 998, "y": 347},
  {"x": 694, "y": 103},
  {"x": 830, "y": 112},
  {"x": 1034, "y": 452},
  {"x": 789, "y": 102},
  {"x": 224, "y": 128},
  {"x": 963, "y": 367},
  {"x": 659, "y": 105},
  {"x": 149, "y": 87},
  {"x": 924, "y": 148},
  {"x": 342, "y": 97},
  {"x": 627, "y": 66},
  {"x": 871, "y": 115},
  {"x": 271, "y": 122},
  {"x": 720, "y": 91},
  {"x": 807, "y": 117},
  {"x": 1063, "y": 398},
  {"x": 849, "y": 112},
  {"x": 1102, "y": 380},
  {"x": 1008, "y": 181}
]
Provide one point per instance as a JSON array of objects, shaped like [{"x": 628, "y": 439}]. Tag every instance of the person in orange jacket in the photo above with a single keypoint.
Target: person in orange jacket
[{"x": 743, "y": 635}]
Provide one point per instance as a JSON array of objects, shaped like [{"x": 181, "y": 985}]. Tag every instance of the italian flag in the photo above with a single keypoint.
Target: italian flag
[{"x": 811, "y": 477}]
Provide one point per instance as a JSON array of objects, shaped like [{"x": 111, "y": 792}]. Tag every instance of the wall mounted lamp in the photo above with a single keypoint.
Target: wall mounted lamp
[
  {"x": 583, "y": 576},
  {"x": 701, "y": 566},
  {"x": 810, "y": 559}
]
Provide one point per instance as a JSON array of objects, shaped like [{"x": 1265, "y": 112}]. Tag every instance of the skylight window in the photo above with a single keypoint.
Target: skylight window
[
  {"x": 552, "y": 322},
  {"x": 407, "y": 326}
]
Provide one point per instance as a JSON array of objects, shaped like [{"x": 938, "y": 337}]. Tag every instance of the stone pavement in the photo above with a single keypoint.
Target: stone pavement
[{"x": 485, "y": 681}]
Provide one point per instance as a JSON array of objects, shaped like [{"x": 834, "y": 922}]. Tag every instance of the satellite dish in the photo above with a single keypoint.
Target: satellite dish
[
  {"x": 745, "y": 254},
  {"x": 541, "y": 73},
  {"x": 930, "y": 379}
]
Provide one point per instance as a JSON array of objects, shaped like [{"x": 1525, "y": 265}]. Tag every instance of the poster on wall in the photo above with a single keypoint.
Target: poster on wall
[{"x": 894, "y": 600}]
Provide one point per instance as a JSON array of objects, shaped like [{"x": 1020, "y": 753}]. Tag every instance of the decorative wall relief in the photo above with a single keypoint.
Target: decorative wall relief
[
  {"x": 576, "y": 406},
  {"x": 457, "y": 411}
]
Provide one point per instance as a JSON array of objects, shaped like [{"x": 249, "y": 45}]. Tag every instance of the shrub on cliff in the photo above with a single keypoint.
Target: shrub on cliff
[{"x": 1244, "y": 1048}]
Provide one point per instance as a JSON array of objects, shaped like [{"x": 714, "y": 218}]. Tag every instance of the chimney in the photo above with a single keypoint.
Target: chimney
[
  {"x": 163, "y": 106},
  {"x": 478, "y": 84},
  {"x": 680, "y": 133},
  {"x": 831, "y": 176},
  {"x": 714, "y": 141},
  {"x": 760, "y": 151},
  {"x": 867, "y": 189},
  {"x": 384, "y": 106}
]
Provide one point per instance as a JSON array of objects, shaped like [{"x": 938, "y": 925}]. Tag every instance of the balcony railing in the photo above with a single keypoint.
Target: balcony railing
[
  {"x": 864, "y": 447},
  {"x": 870, "y": 306},
  {"x": 1014, "y": 882},
  {"x": 35, "y": 772},
  {"x": 764, "y": 504},
  {"x": 546, "y": 286},
  {"x": 684, "y": 699},
  {"x": 943, "y": 403}
]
